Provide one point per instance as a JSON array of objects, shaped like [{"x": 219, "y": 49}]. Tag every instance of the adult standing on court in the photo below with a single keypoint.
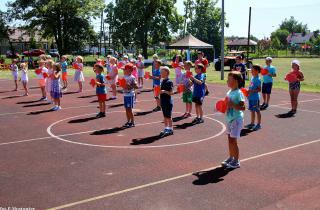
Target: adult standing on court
[
  {"x": 201, "y": 59},
  {"x": 239, "y": 66}
]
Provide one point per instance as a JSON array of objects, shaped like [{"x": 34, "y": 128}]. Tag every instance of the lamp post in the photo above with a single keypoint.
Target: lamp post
[{"x": 222, "y": 41}]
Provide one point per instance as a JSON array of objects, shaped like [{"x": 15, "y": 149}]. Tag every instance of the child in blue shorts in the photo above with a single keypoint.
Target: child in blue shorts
[
  {"x": 166, "y": 101},
  {"x": 156, "y": 76},
  {"x": 254, "y": 102},
  {"x": 234, "y": 118},
  {"x": 267, "y": 83},
  {"x": 129, "y": 94}
]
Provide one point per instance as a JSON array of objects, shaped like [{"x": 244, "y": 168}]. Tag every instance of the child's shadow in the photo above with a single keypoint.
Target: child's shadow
[
  {"x": 245, "y": 132},
  {"x": 108, "y": 131},
  {"x": 147, "y": 140},
  {"x": 213, "y": 176},
  {"x": 40, "y": 112},
  {"x": 143, "y": 113},
  {"x": 35, "y": 105},
  {"x": 87, "y": 119},
  {"x": 285, "y": 115},
  {"x": 28, "y": 102},
  {"x": 184, "y": 125},
  {"x": 177, "y": 119}
]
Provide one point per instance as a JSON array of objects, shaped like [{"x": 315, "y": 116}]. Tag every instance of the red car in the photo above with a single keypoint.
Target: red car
[{"x": 33, "y": 52}]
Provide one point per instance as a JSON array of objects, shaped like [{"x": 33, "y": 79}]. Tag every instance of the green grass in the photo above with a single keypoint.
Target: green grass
[{"x": 309, "y": 66}]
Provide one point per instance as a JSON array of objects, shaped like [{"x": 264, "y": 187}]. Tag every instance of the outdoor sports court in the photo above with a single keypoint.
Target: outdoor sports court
[{"x": 71, "y": 160}]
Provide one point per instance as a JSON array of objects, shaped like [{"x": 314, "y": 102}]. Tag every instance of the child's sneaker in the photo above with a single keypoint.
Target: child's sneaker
[
  {"x": 233, "y": 164},
  {"x": 257, "y": 127},
  {"x": 226, "y": 161},
  {"x": 200, "y": 120},
  {"x": 55, "y": 108},
  {"x": 43, "y": 99},
  {"x": 59, "y": 108},
  {"x": 162, "y": 132},
  {"x": 195, "y": 120},
  {"x": 168, "y": 132},
  {"x": 249, "y": 126},
  {"x": 158, "y": 108}
]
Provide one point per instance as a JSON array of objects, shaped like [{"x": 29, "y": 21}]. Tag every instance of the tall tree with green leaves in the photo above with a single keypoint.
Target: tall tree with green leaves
[
  {"x": 145, "y": 22},
  {"x": 281, "y": 35},
  {"x": 206, "y": 22},
  {"x": 67, "y": 21},
  {"x": 293, "y": 26}
]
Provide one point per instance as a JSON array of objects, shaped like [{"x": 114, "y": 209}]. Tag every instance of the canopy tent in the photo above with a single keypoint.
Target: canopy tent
[{"x": 189, "y": 42}]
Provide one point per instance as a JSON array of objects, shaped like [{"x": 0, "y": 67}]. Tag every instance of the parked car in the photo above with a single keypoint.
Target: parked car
[
  {"x": 33, "y": 52},
  {"x": 230, "y": 60},
  {"x": 54, "y": 53},
  {"x": 9, "y": 54}
]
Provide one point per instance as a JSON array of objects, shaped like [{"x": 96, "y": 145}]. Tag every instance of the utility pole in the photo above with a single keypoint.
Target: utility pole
[
  {"x": 222, "y": 41},
  {"x": 249, "y": 26},
  {"x": 100, "y": 44}
]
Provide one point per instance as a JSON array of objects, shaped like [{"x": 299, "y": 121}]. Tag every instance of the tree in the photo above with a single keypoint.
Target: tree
[
  {"x": 293, "y": 26},
  {"x": 67, "y": 21},
  {"x": 206, "y": 22},
  {"x": 281, "y": 35},
  {"x": 144, "y": 22},
  {"x": 275, "y": 43}
]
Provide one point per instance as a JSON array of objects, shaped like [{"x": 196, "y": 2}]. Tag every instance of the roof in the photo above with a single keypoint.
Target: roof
[
  {"x": 189, "y": 42},
  {"x": 298, "y": 38},
  {"x": 21, "y": 35},
  {"x": 241, "y": 42}
]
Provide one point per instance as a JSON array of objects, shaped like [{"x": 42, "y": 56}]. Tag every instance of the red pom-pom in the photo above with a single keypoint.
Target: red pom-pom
[
  {"x": 221, "y": 106},
  {"x": 38, "y": 71},
  {"x": 156, "y": 90},
  {"x": 147, "y": 75},
  {"x": 245, "y": 92},
  {"x": 188, "y": 74},
  {"x": 75, "y": 66},
  {"x": 45, "y": 75},
  {"x": 175, "y": 65},
  {"x": 122, "y": 82},
  {"x": 120, "y": 65},
  {"x": 180, "y": 88},
  {"x": 264, "y": 71},
  {"x": 108, "y": 77},
  {"x": 93, "y": 82},
  {"x": 291, "y": 77}
]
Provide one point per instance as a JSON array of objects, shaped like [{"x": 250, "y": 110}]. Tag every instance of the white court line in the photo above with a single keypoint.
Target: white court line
[
  {"x": 174, "y": 178},
  {"x": 27, "y": 140}
]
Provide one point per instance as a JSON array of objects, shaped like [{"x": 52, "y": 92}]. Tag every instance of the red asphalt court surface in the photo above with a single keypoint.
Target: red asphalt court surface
[{"x": 70, "y": 160}]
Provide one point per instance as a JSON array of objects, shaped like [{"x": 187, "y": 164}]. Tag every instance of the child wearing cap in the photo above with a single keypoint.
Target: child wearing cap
[
  {"x": 129, "y": 94},
  {"x": 156, "y": 76},
  {"x": 101, "y": 90},
  {"x": 294, "y": 85},
  {"x": 187, "y": 92},
  {"x": 240, "y": 67},
  {"x": 166, "y": 101},
  {"x": 198, "y": 92},
  {"x": 254, "y": 106},
  {"x": 267, "y": 83}
]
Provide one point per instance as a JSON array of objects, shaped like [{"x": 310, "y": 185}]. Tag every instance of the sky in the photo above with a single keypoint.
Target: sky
[{"x": 266, "y": 15}]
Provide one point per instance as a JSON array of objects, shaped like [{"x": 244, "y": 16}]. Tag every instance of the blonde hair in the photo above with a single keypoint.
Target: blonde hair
[
  {"x": 166, "y": 69},
  {"x": 50, "y": 62},
  {"x": 42, "y": 57},
  {"x": 80, "y": 58},
  {"x": 188, "y": 63},
  {"x": 236, "y": 75},
  {"x": 24, "y": 66}
]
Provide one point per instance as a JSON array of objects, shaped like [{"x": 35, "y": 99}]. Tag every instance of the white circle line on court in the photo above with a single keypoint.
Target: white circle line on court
[{"x": 58, "y": 137}]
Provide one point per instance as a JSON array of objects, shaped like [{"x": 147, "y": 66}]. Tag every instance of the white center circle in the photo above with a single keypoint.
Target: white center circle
[{"x": 59, "y": 137}]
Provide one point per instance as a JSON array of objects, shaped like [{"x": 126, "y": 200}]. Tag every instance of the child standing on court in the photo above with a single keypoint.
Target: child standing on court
[
  {"x": 198, "y": 92},
  {"x": 24, "y": 77},
  {"x": 294, "y": 85},
  {"x": 267, "y": 83},
  {"x": 166, "y": 101},
  {"x": 56, "y": 92},
  {"x": 129, "y": 94},
  {"x": 42, "y": 80},
  {"x": 234, "y": 118},
  {"x": 156, "y": 76},
  {"x": 140, "y": 66},
  {"x": 64, "y": 67},
  {"x": 254, "y": 102},
  {"x": 178, "y": 66},
  {"x": 49, "y": 65},
  {"x": 113, "y": 77},
  {"x": 187, "y": 92},
  {"x": 240, "y": 67},
  {"x": 78, "y": 75},
  {"x": 100, "y": 89},
  {"x": 14, "y": 70}
]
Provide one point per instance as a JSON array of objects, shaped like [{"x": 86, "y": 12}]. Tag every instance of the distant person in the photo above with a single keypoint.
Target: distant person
[
  {"x": 24, "y": 77},
  {"x": 267, "y": 83},
  {"x": 56, "y": 92},
  {"x": 240, "y": 67},
  {"x": 254, "y": 106},
  {"x": 140, "y": 66},
  {"x": 112, "y": 77},
  {"x": 294, "y": 77},
  {"x": 178, "y": 66},
  {"x": 101, "y": 90},
  {"x": 187, "y": 92},
  {"x": 42, "y": 80},
  {"x": 15, "y": 74},
  {"x": 156, "y": 76},
  {"x": 78, "y": 75},
  {"x": 234, "y": 118},
  {"x": 205, "y": 63},
  {"x": 64, "y": 67}
]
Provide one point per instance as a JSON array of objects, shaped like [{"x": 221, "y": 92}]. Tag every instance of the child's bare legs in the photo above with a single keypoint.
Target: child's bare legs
[
  {"x": 199, "y": 111},
  {"x": 253, "y": 117},
  {"x": 233, "y": 148},
  {"x": 24, "y": 83},
  {"x": 158, "y": 101},
  {"x": 65, "y": 83},
  {"x": 114, "y": 90},
  {"x": 129, "y": 113},
  {"x": 43, "y": 91},
  {"x": 16, "y": 85},
  {"x": 140, "y": 81},
  {"x": 102, "y": 106},
  {"x": 259, "y": 117},
  {"x": 80, "y": 86},
  {"x": 294, "y": 99},
  {"x": 57, "y": 101}
]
